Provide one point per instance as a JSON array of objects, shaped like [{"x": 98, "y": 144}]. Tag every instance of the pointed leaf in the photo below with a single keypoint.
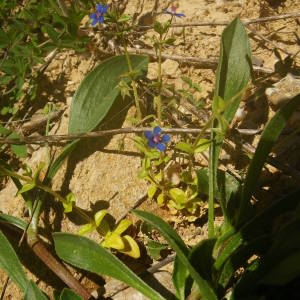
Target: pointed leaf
[
  {"x": 180, "y": 248},
  {"x": 9, "y": 262},
  {"x": 122, "y": 226},
  {"x": 86, "y": 254},
  {"x": 68, "y": 294},
  {"x": 131, "y": 247},
  {"x": 267, "y": 140},
  {"x": 99, "y": 90},
  {"x": 33, "y": 292}
]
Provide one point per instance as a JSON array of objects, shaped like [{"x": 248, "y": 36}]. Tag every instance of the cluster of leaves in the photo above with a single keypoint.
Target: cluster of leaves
[
  {"x": 27, "y": 35},
  {"x": 246, "y": 239}
]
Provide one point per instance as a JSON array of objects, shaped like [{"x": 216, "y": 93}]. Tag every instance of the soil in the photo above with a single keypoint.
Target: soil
[{"x": 103, "y": 176}]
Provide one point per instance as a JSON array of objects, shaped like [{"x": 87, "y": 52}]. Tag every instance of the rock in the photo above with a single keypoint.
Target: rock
[
  {"x": 283, "y": 91},
  {"x": 170, "y": 67}
]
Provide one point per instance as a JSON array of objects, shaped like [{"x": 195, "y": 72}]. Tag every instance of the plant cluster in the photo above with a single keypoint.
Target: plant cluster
[{"x": 253, "y": 254}]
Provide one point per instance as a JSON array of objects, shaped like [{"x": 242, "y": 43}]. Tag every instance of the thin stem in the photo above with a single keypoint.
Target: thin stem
[
  {"x": 159, "y": 75},
  {"x": 131, "y": 74}
]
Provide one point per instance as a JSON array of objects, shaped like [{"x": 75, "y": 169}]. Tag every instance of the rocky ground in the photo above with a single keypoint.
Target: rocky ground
[{"x": 101, "y": 175}]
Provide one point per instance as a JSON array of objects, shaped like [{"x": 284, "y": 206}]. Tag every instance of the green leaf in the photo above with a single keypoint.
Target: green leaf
[
  {"x": 9, "y": 262},
  {"x": 13, "y": 221},
  {"x": 69, "y": 202},
  {"x": 233, "y": 73},
  {"x": 55, "y": 166},
  {"x": 26, "y": 187},
  {"x": 261, "y": 224},
  {"x": 178, "y": 195},
  {"x": 179, "y": 277},
  {"x": 201, "y": 146},
  {"x": 154, "y": 249},
  {"x": 185, "y": 147},
  {"x": 33, "y": 292},
  {"x": 151, "y": 191},
  {"x": 19, "y": 150},
  {"x": 267, "y": 140},
  {"x": 180, "y": 248},
  {"x": 86, "y": 254},
  {"x": 98, "y": 91},
  {"x": 68, "y": 294}
]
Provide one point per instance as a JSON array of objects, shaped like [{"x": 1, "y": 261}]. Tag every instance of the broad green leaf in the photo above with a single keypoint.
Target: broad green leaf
[
  {"x": 180, "y": 248},
  {"x": 86, "y": 254},
  {"x": 233, "y": 73},
  {"x": 68, "y": 294},
  {"x": 267, "y": 140},
  {"x": 9, "y": 262},
  {"x": 178, "y": 195},
  {"x": 99, "y": 90},
  {"x": 33, "y": 292},
  {"x": 13, "y": 221}
]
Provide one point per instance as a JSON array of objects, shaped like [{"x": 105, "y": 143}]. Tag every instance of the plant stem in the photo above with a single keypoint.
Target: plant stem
[
  {"x": 159, "y": 75},
  {"x": 131, "y": 74}
]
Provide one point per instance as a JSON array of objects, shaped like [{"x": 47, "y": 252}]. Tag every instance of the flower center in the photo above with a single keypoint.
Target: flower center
[
  {"x": 98, "y": 14},
  {"x": 156, "y": 138}
]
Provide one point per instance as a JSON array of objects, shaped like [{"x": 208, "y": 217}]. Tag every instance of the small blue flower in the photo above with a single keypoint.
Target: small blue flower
[
  {"x": 98, "y": 16},
  {"x": 156, "y": 139},
  {"x": 173, "y": 12}
]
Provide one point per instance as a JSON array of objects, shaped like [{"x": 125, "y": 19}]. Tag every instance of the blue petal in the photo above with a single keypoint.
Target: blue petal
[
  {"x": 148, "y": 135},
  {"x": 151, "y": 144},
  {"x": 104, "y": 9},
  {"x": 179, "y": 15},
  {"x": 99, "y": 8},
  {"x": 156, "y": 130},
  {"x": 161, "y": 147},
  {"x": 94, "y": 21},
  {"x": 101, "y": 19},
  {"x": 166, "y": 138},
  {"x": 93, "y": 16}
]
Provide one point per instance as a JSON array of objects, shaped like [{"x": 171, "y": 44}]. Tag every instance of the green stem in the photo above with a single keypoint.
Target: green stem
[
  {"x": 159, "y": 75},
  {"x": 133, "y": 82}
]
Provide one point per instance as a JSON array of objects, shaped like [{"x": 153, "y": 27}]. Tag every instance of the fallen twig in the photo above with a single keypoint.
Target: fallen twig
[
  {"x": 226, "y": 22},
  {"x": 205, "y": 63}
]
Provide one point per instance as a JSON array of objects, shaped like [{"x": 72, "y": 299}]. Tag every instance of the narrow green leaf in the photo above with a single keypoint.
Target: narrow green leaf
[
  {"x": 26, "y": 187},
  {"x": 99, "y": 90},
  {"x": 261, "y": 224},
  {"x": 180, "y": 248},
  {"x": 9, "y": 262},
  {"x": 68, "y": 294},
  {"x": 33, "y": 292},
  {"x": 267, "y": 140},
  {"x": 55, "y": 166},
  {"x": 86, "y": 254},
  {"x": 13, "y": 221}
]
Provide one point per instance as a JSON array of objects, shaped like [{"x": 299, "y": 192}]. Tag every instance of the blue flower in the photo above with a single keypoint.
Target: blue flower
[
  {"x": 173, "y": 12},
  {"x": 156, "y": 139},
  {"x": 98, "y": 16}
]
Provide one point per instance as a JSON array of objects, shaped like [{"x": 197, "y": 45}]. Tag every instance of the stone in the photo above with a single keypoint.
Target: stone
[
  {"x": 283, "y": 90},
  {"x": 170, "y": 68}
]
